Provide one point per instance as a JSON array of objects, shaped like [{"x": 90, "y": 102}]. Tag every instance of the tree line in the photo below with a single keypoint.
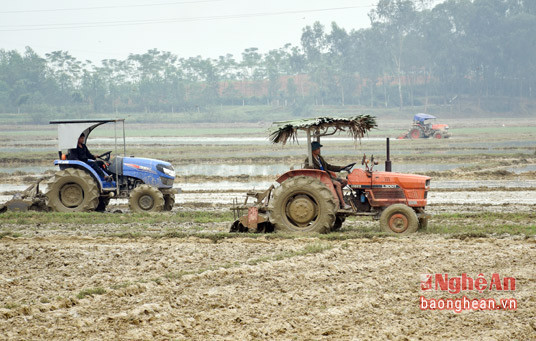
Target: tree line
[{"x": 413, "y": 54}]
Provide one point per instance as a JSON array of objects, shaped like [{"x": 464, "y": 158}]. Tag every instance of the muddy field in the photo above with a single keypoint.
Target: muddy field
[{"x": 182, "y": 276}]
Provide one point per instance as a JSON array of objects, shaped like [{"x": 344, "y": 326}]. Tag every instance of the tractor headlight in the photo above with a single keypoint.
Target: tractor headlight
[{"x": 168, "y": 170}]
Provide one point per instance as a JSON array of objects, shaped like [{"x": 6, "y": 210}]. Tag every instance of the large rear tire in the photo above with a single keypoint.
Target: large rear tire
[
  {"x": 72, "y": 190},
  {"x": 303, "y": 204},
  {"x": 145, "y": 198},
  {"x": 399, "y": 219}
]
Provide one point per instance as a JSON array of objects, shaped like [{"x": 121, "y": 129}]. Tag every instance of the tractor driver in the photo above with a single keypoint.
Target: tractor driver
[
  {"x": 320, "y": 163},
  {"x": 83, "y": 154}
]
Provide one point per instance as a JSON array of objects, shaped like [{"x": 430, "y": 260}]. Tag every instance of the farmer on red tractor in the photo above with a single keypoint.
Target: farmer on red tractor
[{"x": 320, "y": 163}]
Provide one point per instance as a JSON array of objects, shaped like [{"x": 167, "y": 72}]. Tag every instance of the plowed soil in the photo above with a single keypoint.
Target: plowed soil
[{"x": 64, "y": 287}]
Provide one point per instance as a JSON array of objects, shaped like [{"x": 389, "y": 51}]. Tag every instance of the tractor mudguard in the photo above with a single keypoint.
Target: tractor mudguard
[
  {"x": 84, "y": 166},
  {"x": 315, "y": 173}
]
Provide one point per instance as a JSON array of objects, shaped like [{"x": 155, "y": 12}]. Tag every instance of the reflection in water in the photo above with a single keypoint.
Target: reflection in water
[
  {"x": 231, "y": 170},
  {"x": 276, "y": 169},
  {"x": 272, "y": 169},
  {"x": 522, "y": 169},
  {"x": 248, "y": 169},
  {"x": 27, "y": 169}
]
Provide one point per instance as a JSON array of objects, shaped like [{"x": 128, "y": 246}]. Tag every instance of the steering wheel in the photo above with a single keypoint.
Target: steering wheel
[
  {"x": 105, "y": 156},
  {"x": 349, "y": 167}
]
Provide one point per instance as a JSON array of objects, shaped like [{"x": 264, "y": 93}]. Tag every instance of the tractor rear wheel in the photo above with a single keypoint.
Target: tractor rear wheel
[
  {"x": 72, "y": 190},
  {"x": 399, "y": 219},
  {"x": 145, "y": 198},
  {"x": 415, "y": 133},
  {"x": 169, "y": 201},
  {"x": 303, "y": 204}
]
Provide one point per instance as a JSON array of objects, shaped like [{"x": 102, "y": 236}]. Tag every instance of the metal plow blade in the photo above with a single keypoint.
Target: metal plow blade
[
  {"x": 256, "y": 218},
  {"x": 31, "y": 199}
]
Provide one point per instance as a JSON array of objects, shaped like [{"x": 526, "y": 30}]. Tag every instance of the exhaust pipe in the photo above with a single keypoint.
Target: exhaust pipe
[{"x": 388, "y": 160}]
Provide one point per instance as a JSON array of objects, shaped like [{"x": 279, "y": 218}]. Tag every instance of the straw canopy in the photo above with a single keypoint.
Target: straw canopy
[{"x": 356, "y": 127}]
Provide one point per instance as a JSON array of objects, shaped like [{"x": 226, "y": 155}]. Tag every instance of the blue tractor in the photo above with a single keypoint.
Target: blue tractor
[{"x": 77, "y": 187}]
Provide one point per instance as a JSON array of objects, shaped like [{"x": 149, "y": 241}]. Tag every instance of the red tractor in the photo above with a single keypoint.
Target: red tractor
[
  {"x": 422, "y": 128},
  {"x": 305, "y": 200}
]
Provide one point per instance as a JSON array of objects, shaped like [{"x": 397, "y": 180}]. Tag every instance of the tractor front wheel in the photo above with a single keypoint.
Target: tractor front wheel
[
  {"x": 303, "y": 204},
  {"x": 438, "y": 135},
  {"x": 399, "y": 219},
  {"x": 72, "y": 190},
  {"x": 145, "y": 198}
]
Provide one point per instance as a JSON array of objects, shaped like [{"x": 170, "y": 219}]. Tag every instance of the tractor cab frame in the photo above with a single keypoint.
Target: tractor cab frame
[{"x": 68, "y": 133}]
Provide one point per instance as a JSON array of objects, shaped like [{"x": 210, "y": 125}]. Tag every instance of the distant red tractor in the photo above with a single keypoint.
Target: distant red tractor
[
  {"x": 305, "y": 200},
  {"x": 421, "y": 128}
]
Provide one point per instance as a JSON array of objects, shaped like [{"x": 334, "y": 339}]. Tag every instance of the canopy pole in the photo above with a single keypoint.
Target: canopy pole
[
  {"x": 124, "y": 141},
  {"x": 115, "y": 137},
  {"x": 309, "y": 148},
  {"x": 116, "y": 173}
]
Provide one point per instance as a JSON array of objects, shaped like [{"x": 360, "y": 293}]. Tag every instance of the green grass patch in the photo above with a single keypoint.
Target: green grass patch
[
  {"x": 122, "y": 285},
  {"x": 486, "y": 229},
  {"x": 96, "y": 218},
  {"x": 483, "y": 224},
  {"x": 488, "y": 216},
  {"x": 9, "y": 234},
  {"x": 493, "y": 131},
  {"x": 11, "y": 305},
  {"x": 90, "y": 292},
  {"x": 309, "y": 249},
  {"x": 198, "y": 131},
  {"x": 138, "y": 225}
]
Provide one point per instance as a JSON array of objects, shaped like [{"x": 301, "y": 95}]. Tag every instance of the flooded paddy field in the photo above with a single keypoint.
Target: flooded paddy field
[{"x": 181, "y": 275}]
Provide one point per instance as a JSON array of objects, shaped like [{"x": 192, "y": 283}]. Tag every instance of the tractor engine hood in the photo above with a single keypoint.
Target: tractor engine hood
[
  {"x": 440, "y": 126},
  {"x": 153, "y": 172},
  {"x": 388, "y": 180}
]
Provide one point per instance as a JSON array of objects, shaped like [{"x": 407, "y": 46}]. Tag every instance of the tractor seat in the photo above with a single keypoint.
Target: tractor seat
[{"x": 71, "y": 155}]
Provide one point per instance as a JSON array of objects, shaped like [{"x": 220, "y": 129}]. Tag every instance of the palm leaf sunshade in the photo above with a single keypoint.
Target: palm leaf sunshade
[{"x": 356, "y": 127}]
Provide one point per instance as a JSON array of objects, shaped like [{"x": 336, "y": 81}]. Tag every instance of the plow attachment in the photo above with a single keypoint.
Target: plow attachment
[
  {"x": 31, "y": 199},
  {"x": 255, "y": 219}
]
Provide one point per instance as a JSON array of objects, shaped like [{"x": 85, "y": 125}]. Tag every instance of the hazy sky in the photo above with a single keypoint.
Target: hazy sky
[{"x": 103, "y": 29}]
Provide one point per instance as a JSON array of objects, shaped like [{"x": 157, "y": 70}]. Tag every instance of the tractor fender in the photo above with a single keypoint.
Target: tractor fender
[
  {"x": 323, "y": 176},
  {"x": 81, "y": 165}
]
